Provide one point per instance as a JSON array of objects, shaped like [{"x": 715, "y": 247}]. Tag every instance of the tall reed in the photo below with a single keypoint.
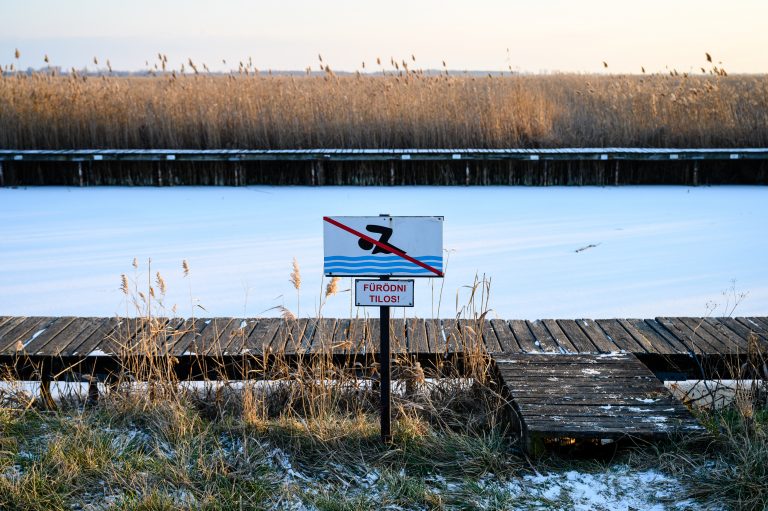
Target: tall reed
[{"x": 404, "y": 109}]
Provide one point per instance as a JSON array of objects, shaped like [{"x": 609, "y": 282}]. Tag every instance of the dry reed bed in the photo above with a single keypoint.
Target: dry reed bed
[{"x": 403, "y": 110}]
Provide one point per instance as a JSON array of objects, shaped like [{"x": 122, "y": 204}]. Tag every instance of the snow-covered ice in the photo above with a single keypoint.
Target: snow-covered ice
[{"x": 658, "y": 250}]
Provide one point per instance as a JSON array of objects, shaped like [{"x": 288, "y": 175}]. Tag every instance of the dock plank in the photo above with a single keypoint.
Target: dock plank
[
  {"x": 744, "y": 331},
  {"x": 685, "y": 336},
  {"x": 475, "y": 333},
  {"x": 590, "y": 395},
  {"x": 322, "y": 341},
  {"x": 526, "y": 339},
  {"x": 657, "y": 329},
  {"x": 84, "y": 346},
  {"x": 700, "y": 326},
  {"x": 546, "y": 341},
  {"x": 416, "y": 332},
  {"x": 22, "y": 333},
  {"x": 647, "y": 337},
  {"x": 239, "y": 338},
  {"x": 398, "y": 341},
  {"x": 37, "y": 345},
  {"x": 505, "y": 337},
  {"x": 260, "y": 338},
  {"x": 619, "y": 335},
  {"x": 596, "y": 335},
  {"x": 563, "y": 340},
  {"x": 434, "y": 335},
  {"x": 452, "y": 337},
  {"x": 577, "y": 336},
  {"x": 7, "y": 327}
]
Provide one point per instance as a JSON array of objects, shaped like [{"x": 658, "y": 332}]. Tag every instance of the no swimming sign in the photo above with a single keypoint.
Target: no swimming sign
[{"x": 383, "y": 246}]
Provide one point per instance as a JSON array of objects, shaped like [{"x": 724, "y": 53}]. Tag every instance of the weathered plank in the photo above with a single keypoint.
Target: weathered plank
[
  {"x": 590, "y": 395},
  {"x": 647, "y": 337},
  {"x": 719, "y": 342},
  {"x": 398, "y": 342},
  {"x": 579, "y": 346},
  {"x": 238, "y": 337},
  {"x": 478, "y": 335},
  {"x": 740, "y": 329},
  {"x": 260, "y": 338},
  {"x": 546, "y": 341},
  {"x": 22, "y": 333},
  {"x": 452, "y": 337},
  {"x": 435, "y": 335},
  {"x": 596, "y": 335},
  {"x": 658, "y": 329},
  {"x": 618, "y": 335},
  {"x": 85, "y": 346},
  {"x": 684, "y": 335},
  {"x": 527, "y": 340},
  {"x": 577, "y": 336},
  {"x": 416, "y": 332},
  {"x": 36, "y": 344},
  {"x": 504, "y": 336}
]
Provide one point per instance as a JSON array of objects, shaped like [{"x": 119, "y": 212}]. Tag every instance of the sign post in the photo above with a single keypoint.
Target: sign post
[
  {"x": 385, "y": 361},
  {"x": 383, "y": 247}
]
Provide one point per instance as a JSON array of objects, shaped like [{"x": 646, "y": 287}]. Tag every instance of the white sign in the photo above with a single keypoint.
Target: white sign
[
  {"x": 392, "y": 246},
  {"x": 379, "y": 293}
]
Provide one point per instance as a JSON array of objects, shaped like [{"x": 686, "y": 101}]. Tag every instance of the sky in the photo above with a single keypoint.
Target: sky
[{"x": 494, "y": 35}]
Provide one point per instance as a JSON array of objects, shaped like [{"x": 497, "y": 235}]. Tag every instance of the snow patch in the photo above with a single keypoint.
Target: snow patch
[{"x": 34, "y": 336}]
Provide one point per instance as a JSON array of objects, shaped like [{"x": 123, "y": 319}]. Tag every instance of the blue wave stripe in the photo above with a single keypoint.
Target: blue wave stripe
[
  {"x": 377, "y": 271},
  {"x": 377, "y": 268},
  {"x": 385, "y": 258},
  {"x": 374, "y": 263},
  {"x": 387, "y": 265}
]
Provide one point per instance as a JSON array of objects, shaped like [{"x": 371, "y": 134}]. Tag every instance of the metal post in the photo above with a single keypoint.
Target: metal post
[{"x": 384, "y": 356}]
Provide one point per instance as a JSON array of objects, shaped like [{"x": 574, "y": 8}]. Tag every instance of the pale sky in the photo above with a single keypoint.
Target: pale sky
[{"x": 530, "y": 36}]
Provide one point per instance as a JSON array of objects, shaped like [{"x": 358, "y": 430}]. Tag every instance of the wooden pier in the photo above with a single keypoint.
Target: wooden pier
[
  {"x": 343, "y": 166},
  {"x": 574, "y": 378}
]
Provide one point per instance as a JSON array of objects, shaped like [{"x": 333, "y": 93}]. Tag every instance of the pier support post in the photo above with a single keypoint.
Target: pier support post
[
  {"x": 80, "y": 173},
  {"x": 46, "y": 398},
  {"x": 2, "y": 178},
  {"x": 93, "y": 390},
  {"x": 616, "y": 174},
  {"x": 695, "y": 173}
]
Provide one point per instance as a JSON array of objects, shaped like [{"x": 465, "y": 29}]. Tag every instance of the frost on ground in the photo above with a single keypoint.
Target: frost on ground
[
  {"x": 654, "y": 250},
  {"x": 617, "y": 488},
  {"x": 129, "y": 464}
]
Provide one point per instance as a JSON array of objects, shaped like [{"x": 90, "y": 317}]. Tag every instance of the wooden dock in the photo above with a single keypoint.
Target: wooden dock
[
  {"x": 343, "y": 166},
  {"x": 578, "y": 395},
  {"x": 574, "y": 378},
  {"x": 94, "y": 337}
]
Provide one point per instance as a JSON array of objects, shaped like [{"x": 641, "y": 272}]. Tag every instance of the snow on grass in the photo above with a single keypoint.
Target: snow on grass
[
  {"x": 617, "y": 488},
  {"x": 659, "y": 250}
]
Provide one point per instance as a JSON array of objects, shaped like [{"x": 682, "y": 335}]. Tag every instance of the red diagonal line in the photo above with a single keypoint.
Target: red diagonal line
[{"x": 382, "y": 245}]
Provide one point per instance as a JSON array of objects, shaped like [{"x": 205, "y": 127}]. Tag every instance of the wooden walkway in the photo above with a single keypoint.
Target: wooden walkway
[
  {"x": 215, "y": 337},
  {"x": 566, "y": 378},
  {"x": 362, "y": 155},
  {"x": 597, "y": 396}
]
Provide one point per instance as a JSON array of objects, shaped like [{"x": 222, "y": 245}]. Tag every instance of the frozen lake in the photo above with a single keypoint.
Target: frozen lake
[{"x": 653, "y": 251}]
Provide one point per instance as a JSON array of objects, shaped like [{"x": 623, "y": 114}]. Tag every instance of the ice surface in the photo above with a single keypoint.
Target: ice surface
[{"x": 662, "y": 250}]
